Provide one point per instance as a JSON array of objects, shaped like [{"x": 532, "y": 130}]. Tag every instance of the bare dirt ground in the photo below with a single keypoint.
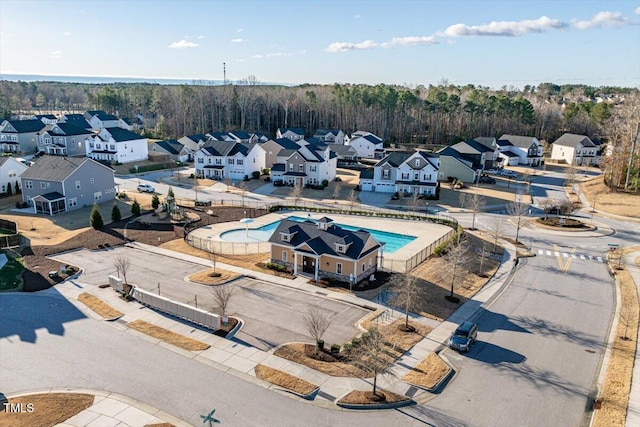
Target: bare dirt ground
[{"x": 616, "y": 202}]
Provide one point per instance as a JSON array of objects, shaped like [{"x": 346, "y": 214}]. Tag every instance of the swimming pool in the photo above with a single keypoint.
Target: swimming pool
[{"x": 393, "y": 241}]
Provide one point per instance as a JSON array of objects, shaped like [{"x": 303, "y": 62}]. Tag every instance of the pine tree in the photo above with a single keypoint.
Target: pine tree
[
  {"x": 135, "y": 208},
  {"x": 9, "y": 190},
  {"x": 155, "y": 201},
  {"x": 96, "y": 218},
  {"x": 115, "y": 213},
  {"x": 170, "y": 192},
  {"x": 17, "y": 187}
]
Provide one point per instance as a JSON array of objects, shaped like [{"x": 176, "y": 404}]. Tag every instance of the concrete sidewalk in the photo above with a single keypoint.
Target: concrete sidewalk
[{"x": 239, "y": 359}]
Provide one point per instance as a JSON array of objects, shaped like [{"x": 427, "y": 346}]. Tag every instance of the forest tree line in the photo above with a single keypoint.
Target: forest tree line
[{"x": 423, "y": 116}]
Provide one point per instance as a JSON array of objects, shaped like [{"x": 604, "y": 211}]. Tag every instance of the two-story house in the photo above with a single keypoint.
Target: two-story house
[
  {"x": 527, "y": 148},
  {"x": 367, "y": 145},
  {"x": 171, "y": 147},
  {"x": 10, "y": 171},
  {"x": 229, "y": 159},
  {"x": 493, "y": 160},
  {"x": 575, "y": 149},
  {"x": 20, "y": 135},
  {"x": 192, "y": 143},
  {"x": 465, "y": 160},
  {"x": 117, "y": 145},
  {"x": 308, "y": 164},
  {"x": 330, "y": 136},
  {"x": 47, "y": 119},
  {"x": 273, "y": 148},
  {"x": 405, "y": 172},
  {"x": 63, "y": 139},
  {"x": 321, "y": 249},
  {"x": 99, "y": 120},
  {"x": 294, "y": 134},
  {"x": 56, "y": 184},
  {"x": 77, "y": 120}
]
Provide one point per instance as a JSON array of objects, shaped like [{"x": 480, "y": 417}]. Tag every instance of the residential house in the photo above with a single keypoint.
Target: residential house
[
  {"x": 229, "y": 159},
  {"x": 192, "y": 143},
  {"x": 490, "y": 142},
  {"x": 220, "y": 136},
  {"x": 508, "y": 158},
  {"x": 330, "y": 136},
  {"x": 125, "y": 123},
  {"x": 47, "y": 119},
  {"x": 10, "y": 171},
  {"x": 465, "y": 161},
  {"x": 20, "y": 135},
  {"x": 346, "y": 153},
  {"x": 404, "y": 172},
  {"x": 77, "y": 120},
  {"x": 99, "y": 120},
  {"x": 321, "y": 249},
  {"x": 575, "y": 149},
  {"x": 273, "y": 147},
  {"x": 309, "y": 164},
  {"x": 528, "y": 148},
  {"x": 56, "y": 184},
  {"x": 117, "y": 145},
  {"x": 367, "y": 146},
  {"x": 63, "y": 139},
  {"x": 294, "y": 134},
  {"x": 171, "y": 147}
]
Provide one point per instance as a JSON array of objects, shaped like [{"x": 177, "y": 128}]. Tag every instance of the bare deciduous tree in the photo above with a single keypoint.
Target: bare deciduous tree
[
  {"x": 242, "y": 188},
  {"x": 316, "y": 322},
  {"x": 547, "y": 205},
  {"x": 476, "y": 204},
  {"x": 228, "y": 182},
  {"x": 122, "y": 263},
  {"x": 375, "y": 359},
  {"x": 353, "y": 198},
  {"x": 408, "y": 292},
  {"x": 336, "y": 191},
  {"x": 415, "y": 201},
  {"x": 519, "y": 212},
  {"x": 213, "y": 255},
  {"x": 222, "y": 295},
  {"x": 495, "y": 232},
  {"x": 483, "y": 256},
  {"x": 456, "y": 258},
  {"x": 295, "y": 194}
]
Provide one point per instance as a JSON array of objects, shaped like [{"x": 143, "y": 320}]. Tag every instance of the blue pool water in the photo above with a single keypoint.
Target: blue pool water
[{"x": 393, "y": 241}]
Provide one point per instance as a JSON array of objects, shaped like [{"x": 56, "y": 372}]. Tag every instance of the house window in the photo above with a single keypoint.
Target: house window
[
  {"x": 417, "y": 162},
  {"x": 12, "y": 173},
  {"x": 370, "y": 262},
  {"x": 99, "y": 146},
  {"x": 218, "y": 161},
  {"x": 416, "y": 176},
  {"x": 47, "y": 141},
  {"x": 312, "y": 168},
  {"x": 231, "y": 161},
  {"x": 43, "y": 185},
  {"x": 4, "y": 189},
  {"x": 77, "y": 185},
  {"x": 385, "y": 173},
  {"x": 240, "y": 162},
  {"x": 291, "y": 165},
  {"x": 363, "y": 266},
  {"x": 405, "y": 175},
  {"x": 91, "y": 145},
  {"x": 339, "y": 268},
  {"x": 285, "y": 237},
  {"x": 92, "y": 180},
  {"x": 284, "y": 256},
  {"x": 113, "y": 147},
  {"x": 300, "y": 168},
  {"x": 72, "y": 202},
  {"x": 340, "y": 248},
  {"x": 97, "y": 195},
  {"x": 28, "y": 184},
  {"x": 201, "y": 160}
]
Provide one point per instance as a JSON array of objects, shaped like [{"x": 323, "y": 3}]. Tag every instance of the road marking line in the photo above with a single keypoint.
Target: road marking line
[
  {"x": 557, "y": 253},
  {"x": 600, "y": 258},
  {"x": 573, "y": 256},
  {"x": 540, "y": 251},
  {"x": 564, "y": 254},
  {"x": 590, "y": 258},
  {"x": 582, "y": 257},
  {"x": 548, "y": 253}
]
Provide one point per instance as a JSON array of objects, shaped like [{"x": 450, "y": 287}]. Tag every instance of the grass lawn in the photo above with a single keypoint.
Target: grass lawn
[
  {"x": 429, "y": 372},
  {"x": 617, "y": 383},
  {"x": 10, "y": 274},
  {"x": 99, "y": 306},
  {"x": 167, "y": 336},
  {"x": 284, "y": 380},
  {"x": 615, "y": 202},
  {"x": 48, "y": 409}
]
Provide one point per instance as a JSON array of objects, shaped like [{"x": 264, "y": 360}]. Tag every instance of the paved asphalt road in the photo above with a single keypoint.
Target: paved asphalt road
[{"x": 273, "y": 314}]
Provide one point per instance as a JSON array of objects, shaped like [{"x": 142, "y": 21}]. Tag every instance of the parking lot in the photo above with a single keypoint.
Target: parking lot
[{"x": 273, "y": 314}]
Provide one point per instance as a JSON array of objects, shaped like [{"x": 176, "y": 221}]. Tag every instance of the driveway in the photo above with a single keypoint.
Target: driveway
[{"x": 273, "y": 314}]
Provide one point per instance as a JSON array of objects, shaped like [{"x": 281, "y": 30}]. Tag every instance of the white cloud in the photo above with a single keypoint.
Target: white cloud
[
  {"x": 357, "y": 17},
  {"x": 279, "y": 54},
  {"x": 504, "y": 28},
  {"x": 66, "y": 33},
  {"x": 637, "y": 11},
  {"x": 345, "y": 47},
  {"x": 182, "y": 44},
  {"x": 239, "y": 30},
  {"x": 411, "y": 41},
  {"x": 55, "y": 54},
  {"x": 238, "y": 40},
  {"x": 200, "y": 37},
  {"x": 603, "y": 19}
]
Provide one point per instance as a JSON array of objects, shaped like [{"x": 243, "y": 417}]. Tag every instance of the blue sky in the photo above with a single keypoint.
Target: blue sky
[{"x": 489, "y": 43}]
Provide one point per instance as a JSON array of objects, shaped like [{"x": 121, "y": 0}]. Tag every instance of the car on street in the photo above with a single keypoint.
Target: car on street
[
  {"x": 487, "y": 180},
  {"x": 508, "y": 173},
  {"x": 492, "y": 171},
  {"x": 464, "y": 335},
  {"x": 146, "y": 188}
]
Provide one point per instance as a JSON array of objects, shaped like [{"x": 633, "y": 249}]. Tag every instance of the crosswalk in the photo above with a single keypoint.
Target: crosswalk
[{"x": 543, "y": 252}]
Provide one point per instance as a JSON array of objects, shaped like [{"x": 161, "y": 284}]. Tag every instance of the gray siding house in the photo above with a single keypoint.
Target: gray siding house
[
  {"x": 20, "y": 135},
  {"x": 57, "y": 184}
]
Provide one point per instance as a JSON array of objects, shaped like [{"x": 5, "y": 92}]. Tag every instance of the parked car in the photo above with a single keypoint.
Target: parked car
[
  {"x": 508, "y": 173},
  {"x": 464, "y": 335},
  {"x": 146, "y": 188},
  {"x": 492, "y": 171},
  {"x": 487, "y": 180}
]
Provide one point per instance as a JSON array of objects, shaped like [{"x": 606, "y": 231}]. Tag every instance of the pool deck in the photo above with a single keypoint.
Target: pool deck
[{"x": 426, "y": 233}]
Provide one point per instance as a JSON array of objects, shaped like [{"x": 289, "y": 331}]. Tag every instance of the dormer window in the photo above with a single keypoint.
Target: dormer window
[{"x": 340, "y": 248}]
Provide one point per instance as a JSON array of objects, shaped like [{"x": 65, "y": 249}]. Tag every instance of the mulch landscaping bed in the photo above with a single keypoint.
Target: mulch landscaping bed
[
  {"x": 358, "y": 397},
  {"x": 285, "y": 380},
  {"x": 225, "y": 329},
  {"x": 38, "y": 266}
]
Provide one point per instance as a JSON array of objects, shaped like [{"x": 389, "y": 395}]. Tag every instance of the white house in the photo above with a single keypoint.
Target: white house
[
  {"x": 575, "y": 150},
  {"x": 47, "y": 119},
  {"x": 98, "y": 119},
  {"x": 404, "y": 172},
  {"x": 330, "y": 136},
  {"x": 367, "y": 146},
  {"x": 309, "y": 164},
  {"x": 10, "y": 171},
  {"x": 528, "y": 148},
  {"x": 191, "y": 144},
  {"x": 229, "y": 159},
  {"x": 294, "y": 134},
  {"x": 117, "y": 145}
]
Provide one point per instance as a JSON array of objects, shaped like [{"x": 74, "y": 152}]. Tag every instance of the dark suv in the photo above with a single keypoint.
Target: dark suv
[
  {"x": 464, "y": 336},
  {"x": 487, "y": 180}
]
